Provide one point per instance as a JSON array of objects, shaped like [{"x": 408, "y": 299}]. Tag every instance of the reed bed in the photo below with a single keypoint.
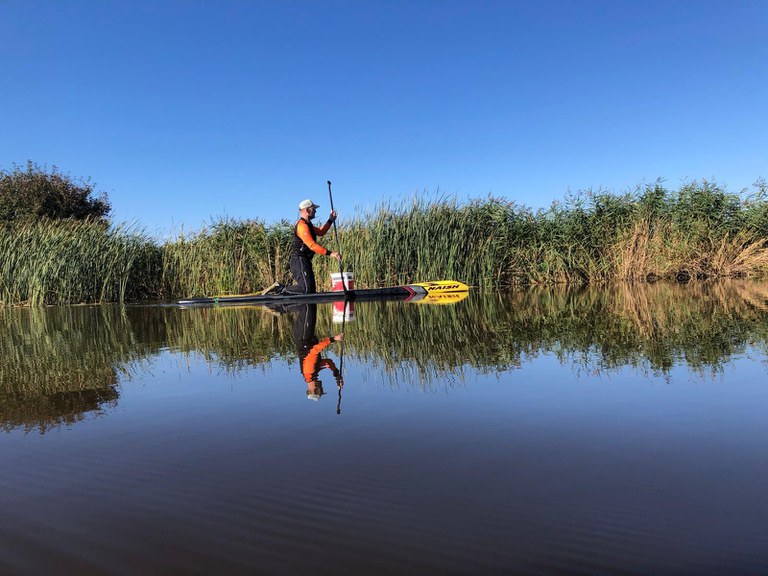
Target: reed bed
[
  {"x": 72, "y": 261},
  {"x": 698, "y": 231},
  {"x": 229, "y": 257}
]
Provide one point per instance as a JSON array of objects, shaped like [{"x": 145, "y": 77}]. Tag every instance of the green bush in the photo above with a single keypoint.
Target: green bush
[{"x": 34, "y": 194}]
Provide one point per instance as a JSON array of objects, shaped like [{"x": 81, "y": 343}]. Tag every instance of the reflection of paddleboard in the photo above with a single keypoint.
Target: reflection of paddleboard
[
  {"x": 442, "y": 298},
  {"x": 408, "y": 292}
]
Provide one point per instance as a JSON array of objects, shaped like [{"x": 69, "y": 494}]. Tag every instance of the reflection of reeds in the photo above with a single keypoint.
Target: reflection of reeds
[
  {"x": 44, "y": 412},
  {"x": 664, "y": 308},
  {"x": 648, "y": 326},
  {"x": 661, "y": 324},
  {"x": 56, "y": 364},
  {"x": 233, "y": 338}
]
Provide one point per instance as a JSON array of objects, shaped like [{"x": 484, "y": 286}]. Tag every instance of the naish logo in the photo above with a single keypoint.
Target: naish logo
[{"x": 442, "y": 287}]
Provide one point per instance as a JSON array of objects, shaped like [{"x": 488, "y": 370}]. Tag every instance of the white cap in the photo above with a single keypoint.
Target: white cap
[{"x": 304, "y": 204}]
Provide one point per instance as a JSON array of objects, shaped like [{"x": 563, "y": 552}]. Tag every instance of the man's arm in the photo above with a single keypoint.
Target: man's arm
[{"x": 327, "y": 226}]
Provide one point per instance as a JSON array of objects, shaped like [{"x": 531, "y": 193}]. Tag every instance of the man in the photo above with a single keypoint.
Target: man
[{"x": 305, "y": 246}]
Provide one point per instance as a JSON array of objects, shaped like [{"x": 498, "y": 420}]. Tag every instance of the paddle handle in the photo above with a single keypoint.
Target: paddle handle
[{"x": 330, "y": 194}]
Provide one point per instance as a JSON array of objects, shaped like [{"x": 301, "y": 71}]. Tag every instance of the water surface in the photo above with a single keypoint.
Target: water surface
[{"x": 546, "y": 431}]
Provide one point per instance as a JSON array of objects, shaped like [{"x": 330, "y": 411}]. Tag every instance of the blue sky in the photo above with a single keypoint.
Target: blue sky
[{"x": 187, "y": 111}]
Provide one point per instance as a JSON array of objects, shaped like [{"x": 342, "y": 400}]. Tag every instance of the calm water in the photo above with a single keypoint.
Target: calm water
[{"x": 615, "y": 431}]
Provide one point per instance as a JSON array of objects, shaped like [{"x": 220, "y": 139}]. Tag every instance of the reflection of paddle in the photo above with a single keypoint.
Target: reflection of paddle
[
  {"x": 341, "y": 360},
  {"x": 338, "y": 248}
]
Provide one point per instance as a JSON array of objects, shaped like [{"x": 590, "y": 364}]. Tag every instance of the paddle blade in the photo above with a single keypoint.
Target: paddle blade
[{"x": 443, "y": 286}]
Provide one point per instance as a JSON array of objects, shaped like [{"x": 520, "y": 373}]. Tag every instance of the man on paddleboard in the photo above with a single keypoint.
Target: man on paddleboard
[{"x": 305, "y": 246}]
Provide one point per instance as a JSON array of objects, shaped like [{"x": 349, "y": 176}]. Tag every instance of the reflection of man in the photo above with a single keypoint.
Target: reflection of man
[{"x": 309, "y": 347}]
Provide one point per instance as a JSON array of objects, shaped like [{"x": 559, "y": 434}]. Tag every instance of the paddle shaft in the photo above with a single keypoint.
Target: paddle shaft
[{"x": 336, "y": 237}]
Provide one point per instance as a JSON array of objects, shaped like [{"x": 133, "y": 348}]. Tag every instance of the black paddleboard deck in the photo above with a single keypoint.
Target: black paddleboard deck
[{"x": 405, "y": 292}]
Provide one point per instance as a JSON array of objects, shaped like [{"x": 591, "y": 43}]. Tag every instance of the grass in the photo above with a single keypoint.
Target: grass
[{"x": 698, "y": 231}]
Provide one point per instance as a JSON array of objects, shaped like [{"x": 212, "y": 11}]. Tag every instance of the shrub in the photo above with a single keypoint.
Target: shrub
[{"x": 34, "y": 194}]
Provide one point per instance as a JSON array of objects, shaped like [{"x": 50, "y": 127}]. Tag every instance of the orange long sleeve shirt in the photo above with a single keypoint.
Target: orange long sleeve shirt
[{"x": 302, "y": 231}]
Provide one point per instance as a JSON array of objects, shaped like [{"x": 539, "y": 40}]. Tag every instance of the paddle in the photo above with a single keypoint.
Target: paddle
[{"x": 336, "y": 236}]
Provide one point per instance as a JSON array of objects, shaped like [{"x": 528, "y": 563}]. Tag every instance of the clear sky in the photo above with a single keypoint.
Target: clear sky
[{"x": 185, "y": 111}]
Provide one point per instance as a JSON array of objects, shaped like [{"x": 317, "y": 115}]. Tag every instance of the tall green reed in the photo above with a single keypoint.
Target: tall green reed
[
  {"x": 698, "y": 231},
  {"x": 60, "y": 262},
  {"x": 230, "y": 256}
]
